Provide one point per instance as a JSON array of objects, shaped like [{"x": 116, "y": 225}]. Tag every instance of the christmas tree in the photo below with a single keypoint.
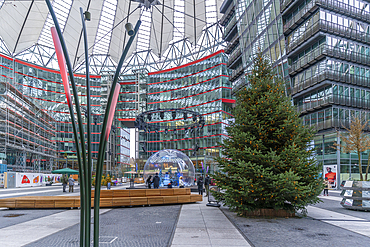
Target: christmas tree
[{"x": 267, "y": 162}]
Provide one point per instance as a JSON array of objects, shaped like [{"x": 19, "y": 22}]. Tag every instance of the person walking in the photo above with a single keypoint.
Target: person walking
[
  {"x": 156, "y": 180},
  {"x": 181, "y": 183},
  {"x": 326, "y": 187},
  {"x": 200, "y": 186},
  {"x": 149, "y": 181},
  {"x": 64, "y": 182},
  {"x": 71, "y": 183},
  {"x": 206, "y": 184}
]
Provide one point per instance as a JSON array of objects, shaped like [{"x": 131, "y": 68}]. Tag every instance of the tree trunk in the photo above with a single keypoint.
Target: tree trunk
[{"x": 360, "y": 166}]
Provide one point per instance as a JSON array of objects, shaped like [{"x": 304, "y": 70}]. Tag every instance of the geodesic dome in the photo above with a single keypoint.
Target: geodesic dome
[{"x": 170, "y": 164}]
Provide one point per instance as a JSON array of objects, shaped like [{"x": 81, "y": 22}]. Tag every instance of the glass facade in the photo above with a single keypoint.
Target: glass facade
[
  {"x": 36, "y": 129},
  {"x": 322, "y": 47},
  {"x": 201, "y": 86}
]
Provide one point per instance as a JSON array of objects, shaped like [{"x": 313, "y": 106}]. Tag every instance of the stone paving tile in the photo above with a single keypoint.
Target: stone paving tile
[
  {"x": 13, "y": 217},
  {"x": 296, "y": 231},
  {"x": 131, "y": 227}
]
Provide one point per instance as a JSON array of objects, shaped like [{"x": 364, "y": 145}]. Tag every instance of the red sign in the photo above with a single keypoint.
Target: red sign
[{"x": 25, "y": 180}]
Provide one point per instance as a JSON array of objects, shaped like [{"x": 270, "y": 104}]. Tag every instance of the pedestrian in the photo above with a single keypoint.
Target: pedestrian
[
  {"x": 149, "y": 181},
  {"x": 207, "y": 181},
  {"x": 169, "y": 185},
  {"x": 181, "y": 183},
  {"x": 200, "y": 186},
  {"x": 64, "y": 182},
  {"x": 71, "y": 182},
  {"x": 326, "y": 187},
  {"x": 156, "y": 180}
]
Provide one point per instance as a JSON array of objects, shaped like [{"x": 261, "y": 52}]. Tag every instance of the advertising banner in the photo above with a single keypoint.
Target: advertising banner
[
  {"x": 330, "y": 173},
  {"x": 35, "y": 179}
]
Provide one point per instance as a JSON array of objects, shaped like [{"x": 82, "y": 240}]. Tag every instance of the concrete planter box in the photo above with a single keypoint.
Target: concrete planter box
[
  {"x": 270, "y": 213},
  {"x": 356, "y": 195}
]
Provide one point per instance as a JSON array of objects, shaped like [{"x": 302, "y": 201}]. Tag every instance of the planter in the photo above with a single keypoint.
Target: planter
[
  {"x": 270, "y": 213},
  {"x": 356, "y": 195}
]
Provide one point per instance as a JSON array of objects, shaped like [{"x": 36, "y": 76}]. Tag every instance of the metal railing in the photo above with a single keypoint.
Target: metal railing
[
  {"x": 334, "y": 99},
  {"x": 233, "y": 56},
  {"x": 331, "y": 76},
  {"x": 332, "y": 28},
  {"x": 333, "y": 123},
  {"x": 229, "y": 26},
  {"x": 284, "y": 4},
  {"x": 228, "y": 14},
  {"x": 331, "y": 51},
  {"x": 333, "y": 5}
]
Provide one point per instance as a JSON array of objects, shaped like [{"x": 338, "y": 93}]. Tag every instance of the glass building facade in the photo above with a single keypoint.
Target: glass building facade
[
  {"x": 36, "y": 131},
  {"x": 322, "y": 50},
  {"x": 201, "y": 86}
]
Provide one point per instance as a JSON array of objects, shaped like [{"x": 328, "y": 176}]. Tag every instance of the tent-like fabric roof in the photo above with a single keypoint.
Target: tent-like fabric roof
[{"x": 27, "y": 23}]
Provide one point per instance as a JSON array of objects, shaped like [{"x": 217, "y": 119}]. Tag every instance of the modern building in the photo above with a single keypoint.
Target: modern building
[
  {"x": 321, "y": 48},
  {"x": 201, "y": 86},
  {"x": 35, "y": 129}
]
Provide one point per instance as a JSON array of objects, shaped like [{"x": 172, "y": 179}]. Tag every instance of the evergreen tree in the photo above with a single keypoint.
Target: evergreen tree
[{"x": 267, "y": 161}]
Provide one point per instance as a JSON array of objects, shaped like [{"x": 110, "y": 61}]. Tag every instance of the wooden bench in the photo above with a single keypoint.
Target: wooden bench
[{"x": 108, "y": 198}]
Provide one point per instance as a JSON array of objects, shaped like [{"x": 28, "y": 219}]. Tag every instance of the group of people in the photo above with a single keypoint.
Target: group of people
[
  {"x": 156, "y": 181},
  {"x": 70, "y": 181},
  {"x": 206, "y": 183}
]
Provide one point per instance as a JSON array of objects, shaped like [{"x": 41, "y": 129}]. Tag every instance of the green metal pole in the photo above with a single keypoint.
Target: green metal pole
[
  {"x": 103, "y": 142},
  {"x": 89, "y": 159},
  {"x": 82, "y": 165}
]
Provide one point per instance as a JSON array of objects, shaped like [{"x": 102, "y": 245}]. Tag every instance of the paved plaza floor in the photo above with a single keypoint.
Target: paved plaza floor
[{"x": 327, "y": 224}]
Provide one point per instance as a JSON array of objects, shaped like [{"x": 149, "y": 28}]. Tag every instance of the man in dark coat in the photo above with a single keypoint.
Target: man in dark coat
[
  {"x": 200, "y": 186},
  {"x": 156, "y": 181},
  {"x": 206, "y": 184},
  {"x": 64, "y": 182}
]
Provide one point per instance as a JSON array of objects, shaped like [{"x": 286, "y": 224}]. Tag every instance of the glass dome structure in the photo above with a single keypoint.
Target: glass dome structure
[{"x": 170, "y": 164}]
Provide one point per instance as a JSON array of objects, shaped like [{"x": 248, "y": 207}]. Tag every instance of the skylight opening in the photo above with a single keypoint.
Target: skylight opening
[{"x": 104, "y": 32}]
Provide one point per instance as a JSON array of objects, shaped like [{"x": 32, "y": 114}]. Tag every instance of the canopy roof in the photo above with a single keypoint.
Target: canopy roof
[
  {"x": 65, "y": 171},
  {"x": 25, "y": 27}
]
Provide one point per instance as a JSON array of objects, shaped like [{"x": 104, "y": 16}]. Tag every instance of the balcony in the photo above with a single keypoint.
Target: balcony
[
  {"x": 284, "y": 4},
  {"x": 235, "y": 56},
  {"x": 236, "y": 73},
  {"x": 333, "y": 100},
  {"x": 228, "y": 15},
  {"x": 330, "y": 51},
  {"x": 333, "y": 123},
  {"x": 232, "y": 44},
  {"x": 333, "y": 5},
  {"x": 332, "y": 28},
  {"x": 331, "y": 75},
  {"x": 302, "y": 15},
  {"x": 238, "y": 84},
  {"x": 230, "y": 25}
]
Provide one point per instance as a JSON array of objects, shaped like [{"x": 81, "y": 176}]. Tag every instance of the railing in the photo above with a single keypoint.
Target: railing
[
  {"x": 238, "y": 84},
  {"x": 333, "y": 5},
  {"x": 233, "y": 56},
  {"x": 332, "y": 76},
  {"x": 333, "y": 123},
  {"x": 329, "y": 27},
  {"x": 230, "y": 25},
  {"x": 301, "y": 15},
  {"x": 236, "y": 73},
  {"x": 284, "y": 4},
  {"x": 331, "y": 51},
  {"x": 334, "y": 99},
  {"x": 231, "y": 45},
  {"x": 228, "y": 14}
]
